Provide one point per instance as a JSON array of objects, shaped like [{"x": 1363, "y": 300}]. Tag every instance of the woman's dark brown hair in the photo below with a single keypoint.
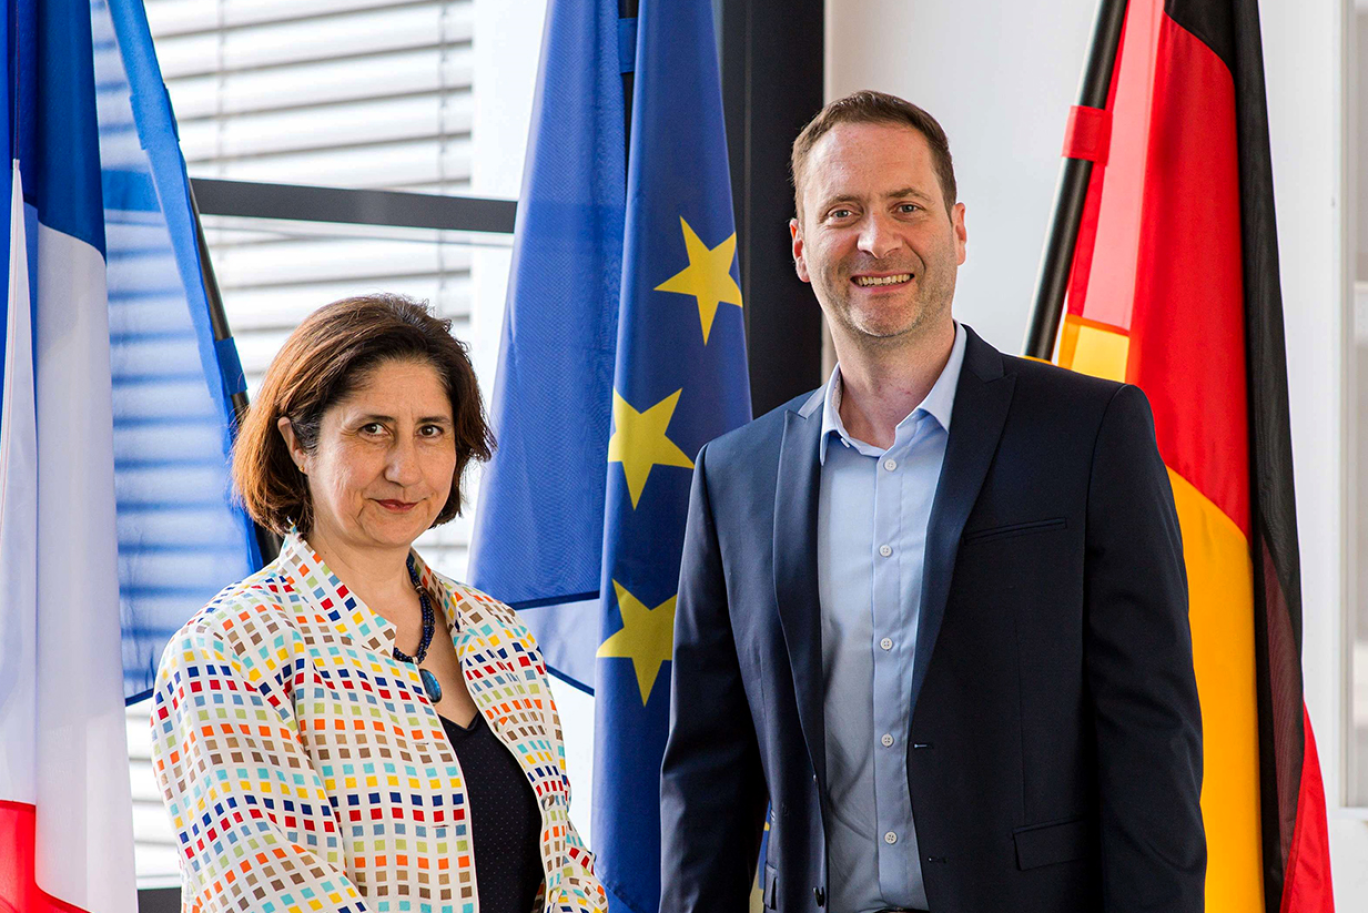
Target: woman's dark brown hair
[{"x": 322, "y": 362}]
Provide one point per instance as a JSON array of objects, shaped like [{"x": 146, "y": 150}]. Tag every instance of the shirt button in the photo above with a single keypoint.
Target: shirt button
[
  {"x": 885, "y": 550},
  {"x": 890, "y": 838},
  {"x": 890, "y": 464},
  {"x": 886, "y": 643},
  {"x": 887, "y": 740}
]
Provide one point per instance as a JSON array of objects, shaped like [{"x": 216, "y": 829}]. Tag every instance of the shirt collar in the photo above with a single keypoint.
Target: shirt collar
[{"x": 939, "y": 402}]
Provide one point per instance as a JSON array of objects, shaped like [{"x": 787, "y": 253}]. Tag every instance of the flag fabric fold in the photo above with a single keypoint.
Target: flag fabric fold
[
  {"x": 538, "y": 537},
  {"x": 1175, "y": 288},
  {"x": 116, "y": 519},
  {"x": 181, "y": 537}
]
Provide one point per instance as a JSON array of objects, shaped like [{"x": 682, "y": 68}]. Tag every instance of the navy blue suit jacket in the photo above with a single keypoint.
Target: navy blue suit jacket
[{"x": 1055, "y": 757}]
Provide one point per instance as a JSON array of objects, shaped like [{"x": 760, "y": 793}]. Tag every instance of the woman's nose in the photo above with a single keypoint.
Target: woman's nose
[{"x": 402, "y": 467}]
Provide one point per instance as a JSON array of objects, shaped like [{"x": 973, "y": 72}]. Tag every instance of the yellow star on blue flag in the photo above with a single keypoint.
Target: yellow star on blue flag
[
  {"x": 707, "y": 277},
  {"x": 639, "y": 441},
  {"x": 646, "y": 638}
]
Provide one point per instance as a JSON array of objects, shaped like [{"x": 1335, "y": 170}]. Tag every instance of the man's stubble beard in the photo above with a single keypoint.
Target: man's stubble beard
[{"x": 929, "y": 303}]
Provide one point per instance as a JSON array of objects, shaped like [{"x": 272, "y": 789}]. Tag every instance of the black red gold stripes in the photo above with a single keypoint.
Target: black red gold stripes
[{"x": 1176, "y": 289}]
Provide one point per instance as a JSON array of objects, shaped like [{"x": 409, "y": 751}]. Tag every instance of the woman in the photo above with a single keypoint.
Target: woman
[{"x": 348, "y": 729}]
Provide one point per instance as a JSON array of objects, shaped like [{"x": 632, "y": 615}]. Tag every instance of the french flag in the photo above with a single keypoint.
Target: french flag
[{"x": 66, "y": 840}]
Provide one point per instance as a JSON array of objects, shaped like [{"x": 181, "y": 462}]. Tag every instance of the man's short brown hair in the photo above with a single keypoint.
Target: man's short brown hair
[
  {"x": 325, "y": 359},
  {"x": 870, "y": 107}
]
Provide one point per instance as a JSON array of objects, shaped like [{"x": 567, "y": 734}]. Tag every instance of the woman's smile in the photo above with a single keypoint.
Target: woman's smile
[{"x": 399, "y": 507}]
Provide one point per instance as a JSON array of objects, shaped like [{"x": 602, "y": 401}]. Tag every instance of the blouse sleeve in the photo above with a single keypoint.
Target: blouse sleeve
[
  {"x": 251, "y": 816},
  {"x": 580, "y": 890}
]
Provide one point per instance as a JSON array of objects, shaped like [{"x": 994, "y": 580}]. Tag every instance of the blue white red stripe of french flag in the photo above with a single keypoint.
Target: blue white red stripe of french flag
[{"x": 66, "y": 840}]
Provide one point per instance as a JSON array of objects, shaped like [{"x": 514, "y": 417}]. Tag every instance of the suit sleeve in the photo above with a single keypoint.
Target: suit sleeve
[
  {"x": 712, "y": 787},
  {"x": 1138, "y": 657},
  {"x": 228, "y": 756}
]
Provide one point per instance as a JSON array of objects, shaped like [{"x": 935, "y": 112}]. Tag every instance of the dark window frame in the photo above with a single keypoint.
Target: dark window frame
[{"x": 392, "y": 208}]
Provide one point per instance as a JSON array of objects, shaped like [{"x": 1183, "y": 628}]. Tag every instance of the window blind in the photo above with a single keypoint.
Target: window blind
[{"x": 353, "y": 93}]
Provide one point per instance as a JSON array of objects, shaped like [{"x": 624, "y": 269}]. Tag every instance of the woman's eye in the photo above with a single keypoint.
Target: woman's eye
[
  {"x": 430, "y": 431},
  {"x": 372, "y": 428}
]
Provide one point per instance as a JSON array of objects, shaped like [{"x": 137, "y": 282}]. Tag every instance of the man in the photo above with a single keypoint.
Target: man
[{"x": 934, "y": 614}]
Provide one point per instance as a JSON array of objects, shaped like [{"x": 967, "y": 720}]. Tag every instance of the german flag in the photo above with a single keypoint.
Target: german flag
[{"x": 1174, "y": 288}]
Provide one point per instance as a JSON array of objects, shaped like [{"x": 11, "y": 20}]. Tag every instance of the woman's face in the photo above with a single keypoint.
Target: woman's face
[{"x": 382, "y": 469}]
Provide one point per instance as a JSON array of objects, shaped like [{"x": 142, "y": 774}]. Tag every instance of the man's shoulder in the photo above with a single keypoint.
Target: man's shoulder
[
  {"x": 1063, "y": 401},
  {"x": 1037, "y": 376},
  {"x": 762, "y": 435}
]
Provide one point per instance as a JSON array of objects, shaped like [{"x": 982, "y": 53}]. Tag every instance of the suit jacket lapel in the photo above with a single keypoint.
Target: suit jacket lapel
[
  {"x": 795, "y": 569},
  {"x": 982, "y": 398}
]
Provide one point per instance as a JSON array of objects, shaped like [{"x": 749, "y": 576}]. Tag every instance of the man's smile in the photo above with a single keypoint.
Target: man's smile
[{"x": 869, "y": 280}]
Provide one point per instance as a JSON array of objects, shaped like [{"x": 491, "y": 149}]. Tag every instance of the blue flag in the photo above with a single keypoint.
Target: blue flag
[
  {"x": 181, "y": 538},
  {"x": 680, "y": 381},
  {"x": 538, "y": 538}
]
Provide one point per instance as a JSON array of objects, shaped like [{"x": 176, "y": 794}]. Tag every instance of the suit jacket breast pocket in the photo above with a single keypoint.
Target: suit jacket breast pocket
[{"x": 1012, "y": 530}]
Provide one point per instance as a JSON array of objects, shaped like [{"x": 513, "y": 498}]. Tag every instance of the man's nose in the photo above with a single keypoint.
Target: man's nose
[{"x": 879, "y": 237}]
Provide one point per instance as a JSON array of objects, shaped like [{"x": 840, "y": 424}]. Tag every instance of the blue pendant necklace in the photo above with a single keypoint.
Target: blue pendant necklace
[{"x": 430, "y": 684}]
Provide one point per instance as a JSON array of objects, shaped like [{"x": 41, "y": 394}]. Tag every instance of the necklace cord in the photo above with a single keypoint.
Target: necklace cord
[{"x": 429, "y": 619}]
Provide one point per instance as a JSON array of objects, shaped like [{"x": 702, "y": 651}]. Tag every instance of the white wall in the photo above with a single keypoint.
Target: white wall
[{"x": 1001, "y": 76}]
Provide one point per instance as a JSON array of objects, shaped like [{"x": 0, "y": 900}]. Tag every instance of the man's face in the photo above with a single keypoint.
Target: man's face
[{"x": 874, "y": 237}]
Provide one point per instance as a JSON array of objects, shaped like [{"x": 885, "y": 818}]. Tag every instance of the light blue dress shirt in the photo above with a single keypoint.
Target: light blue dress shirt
[{"x": 872, "y": 518}]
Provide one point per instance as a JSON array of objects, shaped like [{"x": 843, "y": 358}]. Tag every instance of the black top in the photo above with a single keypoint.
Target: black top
[{"x": 505, "y": 819}]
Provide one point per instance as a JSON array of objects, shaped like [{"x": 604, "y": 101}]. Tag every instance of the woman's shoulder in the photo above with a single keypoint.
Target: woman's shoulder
[
  {"x": 250, "y": 613},
  {"x": 472, "y": 599},
  {"x": 479, "y": 607}
]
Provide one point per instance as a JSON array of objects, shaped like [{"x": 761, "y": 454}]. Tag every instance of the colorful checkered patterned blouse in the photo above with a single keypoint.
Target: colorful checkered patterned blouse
[{"x": 304, "y": 770}]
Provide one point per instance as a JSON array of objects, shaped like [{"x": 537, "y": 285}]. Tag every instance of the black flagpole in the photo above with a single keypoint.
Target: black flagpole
[
  {"x": 1057, "y": 262},
  {"x": 628, "y": 9},
  {"x": 267, "y": 541}
]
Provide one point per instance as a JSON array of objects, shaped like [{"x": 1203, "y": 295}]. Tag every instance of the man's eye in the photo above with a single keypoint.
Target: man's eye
[
  {"x": 841, "y": 213},
  {"x": 907, "y": 208}
]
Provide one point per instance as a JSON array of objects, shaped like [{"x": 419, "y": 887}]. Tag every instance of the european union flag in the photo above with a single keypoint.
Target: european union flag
[{"x": 680, "y": 381}]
